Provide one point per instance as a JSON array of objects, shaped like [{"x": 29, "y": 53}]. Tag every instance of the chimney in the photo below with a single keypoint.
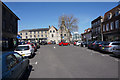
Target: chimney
[{"x": 49, "y": 26}]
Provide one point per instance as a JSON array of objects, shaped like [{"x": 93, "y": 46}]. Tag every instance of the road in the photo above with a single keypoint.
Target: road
[{"x": 53, "y": 61}]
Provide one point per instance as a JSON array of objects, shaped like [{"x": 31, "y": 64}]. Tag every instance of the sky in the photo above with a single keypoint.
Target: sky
[{"x": 35, "y": 15}]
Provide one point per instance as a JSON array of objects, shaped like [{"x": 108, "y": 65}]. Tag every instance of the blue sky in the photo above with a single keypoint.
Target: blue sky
[{"x": 42, "y": 14}]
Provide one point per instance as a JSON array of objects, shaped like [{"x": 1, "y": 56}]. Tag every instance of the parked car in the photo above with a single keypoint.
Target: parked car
[
  {"x": 64, "y": 43},
  {"x": 49, "y": 43},
  {"x": 90, "y": 44},
  {"x": 33, "y": 46},
  {"x": 113, "y": 47},
  {"x": 25, "y": 50},
  {"x": 43, "y": 43},
  {"x": 95, "y": 45},
  {"x": 75, "y": 43},
  {"x": 53, "y": 42},
  {"x": 13, "y": 65},
  {"x": 78, "y": 43},
  {"x": 84, "y": 44}
]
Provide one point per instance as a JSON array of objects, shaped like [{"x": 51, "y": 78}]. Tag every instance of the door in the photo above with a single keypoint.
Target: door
[{"x": 12, "y": 66}]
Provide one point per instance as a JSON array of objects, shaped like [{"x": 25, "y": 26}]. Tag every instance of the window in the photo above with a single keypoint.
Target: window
[
  {"x": 34, "y": 32},
  {"x": 30, "y": 32},
  {"x": 53, "y": 31},
  {"x": 111, "y": 26},
  {"x": 38, "y": 35},
  {"x": 45, "y": 35},
  {"x": 4, "y": 24},
  {"x": 41, "y": 31},
  {"x": 11, "y": 61},
  {"x": 64, "y": 34},
  {"x": 26, "y": 33},
  {"x": 45, "y": 31},
  {"x": 117, "y": 24},
  {"x": 61, "y": 34},
  {"x": 52, "y": 35},
  {"x": 50, "y": 31},
  {"x": 109, "y": 16},
  {"x": 41, "y": 35},
  {"x": 30, "y": 35},
  {"x": 20, "y": 33},
  {"x": 26, "y": 37},
  {"x": 35, "y": 36},
  {"x": 19, "y": 58},
  {"x": 107, "y": 27},
  {"x": 38, "y": 32},
  {"x": 117, "y": 12},
  {"x": 103, "y": 27}
]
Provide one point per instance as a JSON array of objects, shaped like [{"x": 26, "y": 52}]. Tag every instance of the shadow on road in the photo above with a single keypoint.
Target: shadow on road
[{"x": 27, "y": 73}]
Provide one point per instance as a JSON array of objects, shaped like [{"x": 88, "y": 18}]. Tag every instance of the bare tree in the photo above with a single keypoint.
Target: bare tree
[{"x": 70, "y": 22}]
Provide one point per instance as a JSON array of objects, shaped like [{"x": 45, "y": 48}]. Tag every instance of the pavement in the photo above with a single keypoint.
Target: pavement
[{"x": 53, "y": 61}]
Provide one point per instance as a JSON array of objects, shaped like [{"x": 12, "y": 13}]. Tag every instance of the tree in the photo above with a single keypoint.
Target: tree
[{"x": 70, "y": 22}]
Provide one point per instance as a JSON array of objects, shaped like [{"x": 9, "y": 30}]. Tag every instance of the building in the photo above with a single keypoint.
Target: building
[
  {"x": 9, "y": 28},
  {"x": 76, "y": 37},
  {"x": 47, "y": 34},
  {"x": 96, "y": 28},
  {"x": 53, "y": 34},
  {"x": 86, "y": 36},
  {"x": 64, "y": 33},
  {"x": 111, "y": 24},
  {"x": 34, "y": 34}
]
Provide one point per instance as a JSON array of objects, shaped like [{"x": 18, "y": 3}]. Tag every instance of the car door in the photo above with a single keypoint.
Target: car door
[{"x": 12, "y": 66}]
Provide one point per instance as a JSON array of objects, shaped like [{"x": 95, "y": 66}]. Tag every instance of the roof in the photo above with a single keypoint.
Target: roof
[
  {"x": 10, "y": 10},
  {"x": 40, "y": 29},
  {"x": 54, "y": 28},
  {"x": 112, "y": 9},
  {"x": 98, "y": 18}
]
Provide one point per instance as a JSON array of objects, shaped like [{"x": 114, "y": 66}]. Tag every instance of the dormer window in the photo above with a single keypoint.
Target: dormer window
[
  {"x": 109, "y": 16},
  {"x": 117, "y": 12}
]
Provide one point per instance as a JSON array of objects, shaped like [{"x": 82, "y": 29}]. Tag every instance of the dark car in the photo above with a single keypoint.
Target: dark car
[
  {"x": 90, "y": 45},
  {"x": 43, "y": 43},
  {"x": 95, "y": 45},
  {"x": 83, "y": 44},
  {"x": 13, "y": 65}
]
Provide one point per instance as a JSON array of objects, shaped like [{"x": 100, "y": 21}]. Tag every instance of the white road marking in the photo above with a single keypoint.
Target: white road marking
[
  {"x": 54, "y": 47},
  {"x": 36, "y": 62},
  {"x": 116, "y": 60}
]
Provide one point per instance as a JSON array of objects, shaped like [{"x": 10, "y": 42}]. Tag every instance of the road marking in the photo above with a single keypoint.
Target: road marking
[
  {"x": 36, "y": 62},
  {"x": 116, "y": 60},
  {"x": 54, "y": 47}
]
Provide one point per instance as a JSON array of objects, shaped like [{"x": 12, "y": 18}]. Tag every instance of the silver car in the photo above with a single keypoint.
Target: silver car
[{"x": 111, "y": 47}]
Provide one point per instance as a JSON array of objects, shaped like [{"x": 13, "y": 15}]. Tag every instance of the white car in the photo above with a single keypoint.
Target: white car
[
  {"x": 78, "y": 43},
  {"x": 25, "y": 50}
]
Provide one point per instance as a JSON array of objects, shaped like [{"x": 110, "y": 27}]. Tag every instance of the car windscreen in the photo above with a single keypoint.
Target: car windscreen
[
  {"x": 115, "y": 43},
  {"x": 22, "y": 48}
]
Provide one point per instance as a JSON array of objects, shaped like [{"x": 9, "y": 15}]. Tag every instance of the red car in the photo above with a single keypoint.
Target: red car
[
  {"x": 49, "y": 43},
  {"x": 64, "y": 44}
]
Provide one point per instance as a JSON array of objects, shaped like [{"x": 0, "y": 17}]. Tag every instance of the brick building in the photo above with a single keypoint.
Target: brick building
[{"x": 111, "y": 24}]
